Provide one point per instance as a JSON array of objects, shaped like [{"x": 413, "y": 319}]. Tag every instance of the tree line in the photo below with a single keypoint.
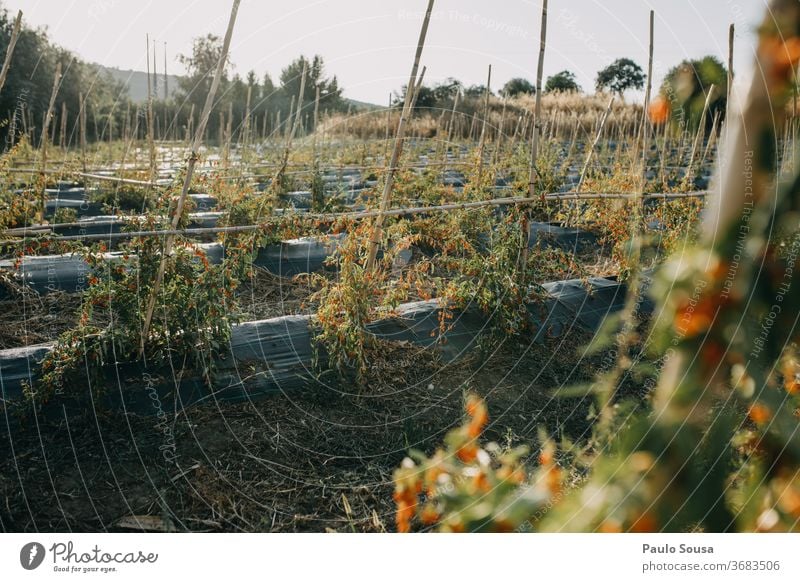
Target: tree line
[
  {"x": 684, "y": 87},
  {"x": 257, "y": 106},
  {"x": 111, "y": 114}
]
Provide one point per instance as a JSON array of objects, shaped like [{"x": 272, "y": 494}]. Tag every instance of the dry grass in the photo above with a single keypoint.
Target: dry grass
[{"x": 562, "y": 113}]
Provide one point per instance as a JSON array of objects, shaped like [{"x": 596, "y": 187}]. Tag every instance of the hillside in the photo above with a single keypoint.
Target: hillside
[{"x": 136, "y": 82}]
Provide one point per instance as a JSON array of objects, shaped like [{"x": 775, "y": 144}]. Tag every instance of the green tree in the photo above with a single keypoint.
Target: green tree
[
  {"x": 30, "y": 81},
  {"x": 195, "y": 85},
  {"x": 446, "y": 91},
  {"x": 561, "y": 83},
  {"x": 200, "y": 68},
  {"x": 686, "y": 86},
  {"x": 518, "y": 86},
  {"x": 475, "y": 92},
  {"x": 426, "y": 101},
  {"x": 620, "y": 76},
  {"x": 330, "y": 94}
]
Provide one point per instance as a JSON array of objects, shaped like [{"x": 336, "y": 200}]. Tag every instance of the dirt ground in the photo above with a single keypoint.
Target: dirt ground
[{"x": 314, "y": 460}]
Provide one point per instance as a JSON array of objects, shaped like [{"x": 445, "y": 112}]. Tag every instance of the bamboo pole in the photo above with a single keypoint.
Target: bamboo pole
[
  {"x": 701, "y": 132},
  {"x": 246, "y": 137},
  {"x": 278, "y": 178},
  {"x": 10, "y": 50},
  {"x": 500, "y": 133},
  {"x": 647, "y": 94},
  {"x": 594, "y": 143},
  {"x": 190, "y": 164},
  {"x": 166, "y": 79},
  {"x": 731, "y": 40},
  {"x": 388, "y": 127},
  {"x": 45, "y": 126},
  {"x": 316, "y": 124},
  {"x": 712, "y": 138},
  {"x": 150, "y": 137},
  {"x": 386, "y": 198},
  {"x": 537, "y": 125},
  {"x": 665, "y": 152},
  {"x": 62, "y": 137},
  {"x": 417, "y": 87},
  {"x": 450, "y": 129},
  {"x": 288, "y": 127},
  {"x": 482, "y": 142}
]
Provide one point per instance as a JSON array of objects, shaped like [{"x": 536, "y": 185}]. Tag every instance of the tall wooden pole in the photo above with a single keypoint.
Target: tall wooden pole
[
  {"x": 386, "y": 198},
  {"x": 150, "y": 136},
  {"x": 701, "y": 132},
  {"x": 10, "y": 50},
  {"x": 193, "y": 157},
  {"x": 292, "y": 130},
  {"x": 594, "y": 144},
  {"x": 450, "y": 127},
  {"x": 482, "y": 143},
  {"x": 731, "y": 40},
  {"x": 166, "y": 79},
  {"x": 45, "y": 128},
  {"x": 63, "y": 131},
  {"x": 82, "y": 128},
  {"x": 647, "y": 95},
  {"x": 537, "y": 123},
  {"x": 316, "y": 123}
]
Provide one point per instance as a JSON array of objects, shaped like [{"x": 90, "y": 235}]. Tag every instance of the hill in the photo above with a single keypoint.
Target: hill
[{"x": 136, "y": 82}]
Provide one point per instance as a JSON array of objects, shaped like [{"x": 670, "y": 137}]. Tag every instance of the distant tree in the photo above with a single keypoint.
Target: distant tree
[
  {"x": 267, "y": 86},
  {"x": 329, "y": 91},
  {"x": 252, "y": 79},
  {"x": 620, "y": 76},
  {"x": 445, "y": 91},
  {"x": 30, "y": 81},
  {"x": 475, "y": 91},
  {"x": 200, "y": 68},
  {"x": 686, "y": 86},
  {"x": 562, "y": 82},
  {"x": 517, "y": 86},
  {"x": 427, "y": 98}
]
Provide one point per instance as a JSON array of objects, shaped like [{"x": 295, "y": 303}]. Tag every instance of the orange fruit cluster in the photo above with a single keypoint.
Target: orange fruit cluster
[
  {"x": 659, "y": 111},
  {"x": 781, "y": 55}
]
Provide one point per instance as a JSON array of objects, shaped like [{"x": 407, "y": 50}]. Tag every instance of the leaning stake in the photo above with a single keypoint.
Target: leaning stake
[
  {"x": 45, "y": 130},
  {"x": 377, "y": 226},
  {"x": 193, "y": 157},
  {"x": 537, "y": 125},
  {"x": 10, "y": 52}
]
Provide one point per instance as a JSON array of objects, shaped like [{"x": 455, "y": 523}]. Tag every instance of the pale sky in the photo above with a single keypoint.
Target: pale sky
[{"x": 370, "y": 44}]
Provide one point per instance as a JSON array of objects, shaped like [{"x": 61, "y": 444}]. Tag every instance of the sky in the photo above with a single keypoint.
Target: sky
[{"x": 369, "y": 44}]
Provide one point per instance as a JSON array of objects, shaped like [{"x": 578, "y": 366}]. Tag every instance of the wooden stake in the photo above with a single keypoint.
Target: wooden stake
[
  {"x": 166, "y": 79},
  {"x": 647, "y": 94},
  {"x": 731, "y": 37},
  {"x": 537, "y": 125},
  {"x": 150, "y": 136},
  {"x": 594, "y": 144},
  {"x": 62, "y": 138},
  {"x": 10, "y": 50},
  {"x": 386, "y": 198},
  {"x": 482, "y": 142},
  {"x": 701, "y": 132},
  {"x": 500, "y": 132},
  {"x": 278, "y": 178},
  {"x": 45, "y": 127},
  {"x": 450, "y": 128},
  {"x": 316, "y": 123},
  {"x": 193, "y": 157}
]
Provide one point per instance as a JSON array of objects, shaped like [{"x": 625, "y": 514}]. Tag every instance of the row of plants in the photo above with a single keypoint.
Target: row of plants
[{"x": 466, "y": 258}]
